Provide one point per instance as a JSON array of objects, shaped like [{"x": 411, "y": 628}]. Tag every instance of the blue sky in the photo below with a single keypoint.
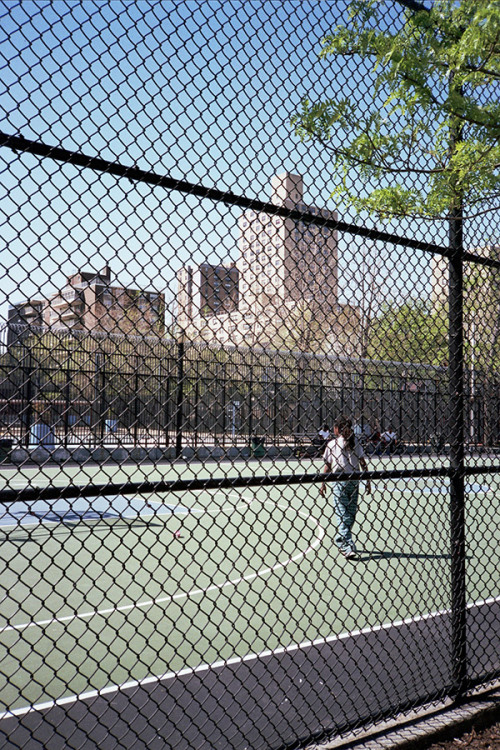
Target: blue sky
[{"x": 201, "y": 91}]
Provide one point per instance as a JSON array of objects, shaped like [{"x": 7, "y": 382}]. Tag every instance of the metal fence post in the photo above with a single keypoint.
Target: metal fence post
[
  {"x": 67, "y": 404},
  {"x": 196, "y": 426},
  {"x": 27, "y": 411},
  {"x": 167, "y": 408},
  {"x": 275, "y": 411},
  {"x": 250, "y": 406},
  {"x": 456, "y": 428},
  {"x": 180, "y": 397},
  {"x": 97, "y": 406},
  {"x": 136, "y": 405},
  {"x": 224, "y": 403}
]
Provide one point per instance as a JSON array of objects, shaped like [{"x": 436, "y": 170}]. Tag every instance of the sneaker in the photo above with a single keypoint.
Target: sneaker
[{"x": 349, "y": 553}]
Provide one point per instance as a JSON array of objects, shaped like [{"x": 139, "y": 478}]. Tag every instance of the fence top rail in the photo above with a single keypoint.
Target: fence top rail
[
  {"x": 248, "y": 353},
  {"x": 134, "y": 174}
]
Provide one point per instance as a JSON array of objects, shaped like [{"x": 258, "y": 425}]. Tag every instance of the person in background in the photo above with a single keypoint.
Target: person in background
[
  {"x": 345, "y": 454},
  {"x": 321, "y": 439},
  {"x": 324, "y": 433},
  {"x": 375, "y": 440},
  {"x": 389, "y": 439}
]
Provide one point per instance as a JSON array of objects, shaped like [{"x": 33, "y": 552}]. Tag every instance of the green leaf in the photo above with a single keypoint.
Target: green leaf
[{"x": 435, "y": 74}]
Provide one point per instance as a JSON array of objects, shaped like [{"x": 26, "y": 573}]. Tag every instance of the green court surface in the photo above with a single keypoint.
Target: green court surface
[{"x": 97, "y": 592}]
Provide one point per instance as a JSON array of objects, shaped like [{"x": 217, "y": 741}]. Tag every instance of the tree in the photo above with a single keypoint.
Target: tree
[
  {"x": 311, "y": 327},
  {"x": 411, "y": 332},
  {"x": 303, "y": 329},
  {"x": 435, "y": 76},
  {"x": 370, "y": 278}
]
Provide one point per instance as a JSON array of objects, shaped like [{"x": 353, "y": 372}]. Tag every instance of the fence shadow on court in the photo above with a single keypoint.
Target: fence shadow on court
[{"x": 365, "y": 555}]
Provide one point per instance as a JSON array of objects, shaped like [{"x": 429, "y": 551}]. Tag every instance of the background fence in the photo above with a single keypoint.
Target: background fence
[
  {"x": 119, "y": 389},
  {"x": 111, "y": 388},
  {"x": 223, "y": 226}
]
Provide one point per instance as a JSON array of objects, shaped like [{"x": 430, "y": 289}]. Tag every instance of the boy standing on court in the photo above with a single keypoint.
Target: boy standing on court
[{"x": 345, "y": 454}]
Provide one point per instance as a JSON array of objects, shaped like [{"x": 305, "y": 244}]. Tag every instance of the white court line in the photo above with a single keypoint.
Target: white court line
[
  {"x": 184, "y": 594},
  {"x": 90, "y": 519},
  {"x": 110, "y": 689},
  {"x": 44, "y": 522}
]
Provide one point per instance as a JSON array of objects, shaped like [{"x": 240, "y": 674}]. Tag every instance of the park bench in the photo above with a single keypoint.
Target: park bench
[{"x": 308, "y": 444}]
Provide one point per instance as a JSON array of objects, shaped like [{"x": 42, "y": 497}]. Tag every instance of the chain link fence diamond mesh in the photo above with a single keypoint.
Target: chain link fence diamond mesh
[{"x": 249, "y": 421}]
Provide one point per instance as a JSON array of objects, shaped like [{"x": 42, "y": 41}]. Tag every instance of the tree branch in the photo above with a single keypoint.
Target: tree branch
[{"x": 389, "y": 170}]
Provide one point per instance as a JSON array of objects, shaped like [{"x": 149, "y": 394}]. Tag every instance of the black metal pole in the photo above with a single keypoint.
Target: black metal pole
[
  {"x": 300, "y": 391},
  {"x": 96, "y": 418},
  {"x": 275, "y": 409},
  {"x": 180, "y": 397},
  {"x": 456, "y": 426},
  {"x": 167, "y": 410},
  {"x": 224, "y": 403},
  {"x": 456, "y": 434},
  {"x": 136, "y": 404},
  {"x": 196, "y": 426},
  {"x": 250, "y": 406},
  {"x": 67, "y": 404},
  {"x": 103, "y": 402},
  {"x": 28, "y": 412},
  {"x": 134, "y": 174}
]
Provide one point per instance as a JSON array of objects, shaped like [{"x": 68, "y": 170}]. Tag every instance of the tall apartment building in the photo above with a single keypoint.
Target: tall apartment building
[
  {"x": 205, "y": 291},
  {"x": 89, "y": 302},
  {"x": 284, "y": 268},
  {"x": 285, "y": 261}
]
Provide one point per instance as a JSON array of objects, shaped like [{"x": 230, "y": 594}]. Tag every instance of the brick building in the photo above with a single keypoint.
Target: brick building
[
  {"x": 90, "y": 302},
  {"x": 205, "y": 291}
]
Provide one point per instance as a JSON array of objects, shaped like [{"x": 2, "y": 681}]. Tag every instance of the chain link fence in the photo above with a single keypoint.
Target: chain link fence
[{"x": 249, "y": 402}]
